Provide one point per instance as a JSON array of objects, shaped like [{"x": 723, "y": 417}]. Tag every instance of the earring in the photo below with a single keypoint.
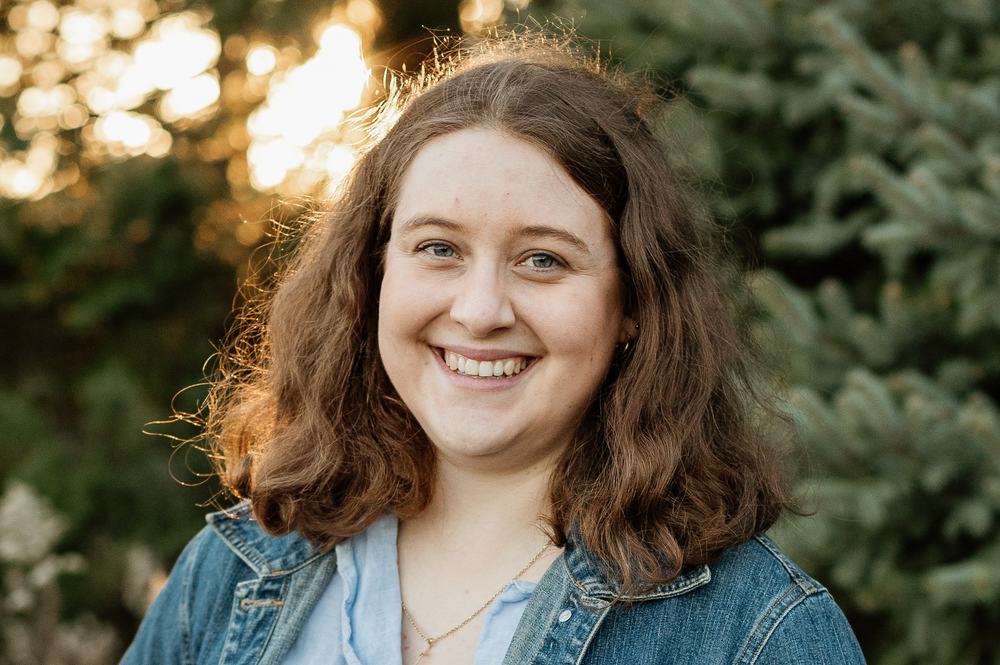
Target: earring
[{"x": 628, "y": 342}]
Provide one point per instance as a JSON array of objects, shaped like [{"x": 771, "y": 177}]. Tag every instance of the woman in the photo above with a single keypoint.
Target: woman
[{"x": 501, "y": 412}]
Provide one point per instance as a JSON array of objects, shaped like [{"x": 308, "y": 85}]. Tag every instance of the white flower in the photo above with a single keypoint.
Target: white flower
[{"x": 29, "y": 527}]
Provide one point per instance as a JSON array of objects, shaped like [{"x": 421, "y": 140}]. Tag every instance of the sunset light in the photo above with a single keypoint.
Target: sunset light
[
  {"x": 124, "y": 79},
  {"x": 79, "y": 70},
  {"x": 294, "y": 131}
]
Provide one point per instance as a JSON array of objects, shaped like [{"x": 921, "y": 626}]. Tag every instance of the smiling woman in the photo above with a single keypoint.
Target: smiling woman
[
  {"x": 497, "y": 258},
  {"x": 501, "y": 412}
]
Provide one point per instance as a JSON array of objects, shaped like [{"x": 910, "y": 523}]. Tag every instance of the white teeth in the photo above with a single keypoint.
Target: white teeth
[{"x": 484, "y": 368}]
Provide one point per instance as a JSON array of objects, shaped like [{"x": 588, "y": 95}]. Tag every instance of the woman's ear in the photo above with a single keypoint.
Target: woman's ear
[{"x": 629, "y": 329}]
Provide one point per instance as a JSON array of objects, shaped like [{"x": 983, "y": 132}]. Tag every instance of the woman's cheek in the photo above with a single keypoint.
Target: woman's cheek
[
  {"x": 401, "y": 295},
  {"x": 581, "y": 322},
  {"x": 396, "y": 313}
]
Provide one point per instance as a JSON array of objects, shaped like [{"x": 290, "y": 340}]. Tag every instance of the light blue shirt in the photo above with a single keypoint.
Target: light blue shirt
[{"x": 358, "y": 619}]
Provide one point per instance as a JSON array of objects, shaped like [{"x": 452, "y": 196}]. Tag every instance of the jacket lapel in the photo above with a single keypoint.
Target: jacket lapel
[{"x": 268, "y": 611}]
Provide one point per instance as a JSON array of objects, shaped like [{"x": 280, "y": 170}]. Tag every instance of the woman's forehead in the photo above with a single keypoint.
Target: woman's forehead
[{"x": 475, "y": 176}]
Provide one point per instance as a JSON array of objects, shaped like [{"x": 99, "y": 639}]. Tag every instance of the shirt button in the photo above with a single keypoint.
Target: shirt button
[{"x": 564, "y": 617}]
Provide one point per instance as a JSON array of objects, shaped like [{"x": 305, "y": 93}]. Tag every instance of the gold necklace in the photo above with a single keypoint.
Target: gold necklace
[{"x": 431, "y": 641}]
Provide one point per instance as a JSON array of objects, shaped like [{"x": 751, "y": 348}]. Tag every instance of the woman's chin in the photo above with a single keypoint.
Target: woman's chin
[
  {"x": 473, "y": 445},
  {"x": 491, "y": 448}
]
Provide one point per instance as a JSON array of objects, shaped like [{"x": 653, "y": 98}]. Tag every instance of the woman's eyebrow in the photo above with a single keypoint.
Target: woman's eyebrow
[
  {"x": 420, "y": 221},
  {"x": 556, "y": 233}
]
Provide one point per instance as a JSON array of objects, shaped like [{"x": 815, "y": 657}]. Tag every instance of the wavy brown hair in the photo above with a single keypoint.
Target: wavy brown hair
[{"x": 674, "y": 462}]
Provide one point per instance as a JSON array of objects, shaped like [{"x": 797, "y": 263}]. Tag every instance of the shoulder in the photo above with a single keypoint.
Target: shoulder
[
  {"x": 775, "y": 612},
  {"x": 758, "y": 572},
  {"x": 785, "y": 615},
  {"x": 215, "y": 583},
  {"x": 753, "y": 605}
]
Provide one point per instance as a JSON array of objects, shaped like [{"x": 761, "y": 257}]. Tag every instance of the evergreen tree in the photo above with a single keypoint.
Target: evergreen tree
[{"x": 860, "y": 143}]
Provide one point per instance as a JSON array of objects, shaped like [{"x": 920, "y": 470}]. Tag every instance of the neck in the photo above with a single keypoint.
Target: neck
[{"x": 485, "y": 507}]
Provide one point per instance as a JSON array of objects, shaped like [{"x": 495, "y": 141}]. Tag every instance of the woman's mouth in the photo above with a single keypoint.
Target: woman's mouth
[{"x": 484, "y": 369}]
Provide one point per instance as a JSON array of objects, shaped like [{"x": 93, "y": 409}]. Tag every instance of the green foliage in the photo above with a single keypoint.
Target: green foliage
[
  {"x": 114, "y": 293},
  {"x": 108, "y": 315},
  {"x": 861, "y": 143}
]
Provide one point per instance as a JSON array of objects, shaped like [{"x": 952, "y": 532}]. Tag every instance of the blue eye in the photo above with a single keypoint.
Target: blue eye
[
  {"x": 438, "y": 249},
  {"x": 541, "y": 261}
]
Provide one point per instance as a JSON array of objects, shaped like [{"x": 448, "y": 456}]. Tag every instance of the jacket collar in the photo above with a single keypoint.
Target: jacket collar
[
  {"x": 586, "y": 571},
  {"x": 264, "y": 553},
  {"x": 275, "y": 555}
]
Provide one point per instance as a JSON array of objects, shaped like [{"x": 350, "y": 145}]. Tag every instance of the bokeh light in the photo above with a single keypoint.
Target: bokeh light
[
  {"x": 293, "y": 130},
  {"x": 261, "y": 59},
  {"x": 42, "y": 15},
  {"x": 177, "y": 49},
  {"x": 10, "y": 71},
  {"x": 190, "y": 98},
  {"x": 89, "y": 67},
  {"x": 477, "y": 15},
  {"x": 120, "y": 80},
  {"x": 127, "y": 133},
  {"x": 362, "y": 13},
  {"x": 28, "y": 174}
]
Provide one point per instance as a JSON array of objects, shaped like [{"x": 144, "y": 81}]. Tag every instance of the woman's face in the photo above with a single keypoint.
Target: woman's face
[{"x": 500, "y": 308}]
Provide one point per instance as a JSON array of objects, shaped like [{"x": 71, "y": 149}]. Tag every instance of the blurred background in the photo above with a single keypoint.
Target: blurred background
[{"x": 150, "y": 153}]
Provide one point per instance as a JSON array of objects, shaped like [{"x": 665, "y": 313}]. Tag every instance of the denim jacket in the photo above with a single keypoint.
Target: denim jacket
[{"x": 238, "y": 596}]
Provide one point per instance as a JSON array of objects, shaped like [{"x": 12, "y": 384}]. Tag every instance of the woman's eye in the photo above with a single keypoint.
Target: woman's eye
[
  {"x": 541, "y": 261},
  {"x": 438, "y": 249}
]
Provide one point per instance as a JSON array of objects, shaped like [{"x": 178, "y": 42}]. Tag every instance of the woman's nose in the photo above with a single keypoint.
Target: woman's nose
[{"x": 481, "y": 302}]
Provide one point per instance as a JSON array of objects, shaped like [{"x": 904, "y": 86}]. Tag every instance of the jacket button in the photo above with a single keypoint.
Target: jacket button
[{"x": 564, "y": 617}]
